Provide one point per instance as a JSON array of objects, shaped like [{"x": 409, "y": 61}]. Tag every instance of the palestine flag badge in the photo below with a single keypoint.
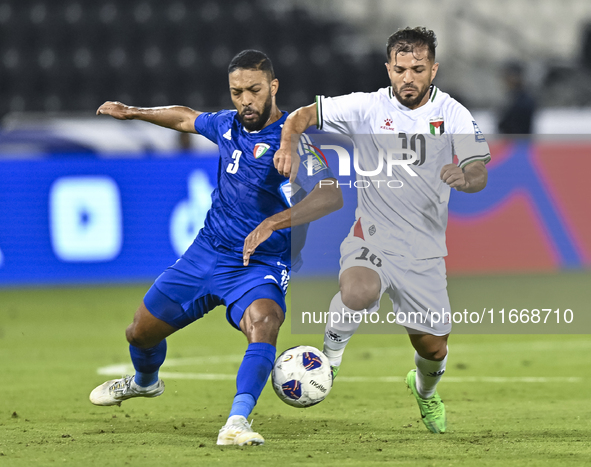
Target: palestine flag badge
[{"x": 436, "y": 126}]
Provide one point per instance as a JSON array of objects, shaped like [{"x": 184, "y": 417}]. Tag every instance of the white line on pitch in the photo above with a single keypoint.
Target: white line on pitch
[
  {"x": 465, "y": 379},
  {"x": 127, "y": 368}
]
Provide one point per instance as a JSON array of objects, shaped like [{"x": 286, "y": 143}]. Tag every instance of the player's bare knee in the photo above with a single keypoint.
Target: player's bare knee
[
  {"x": 136, "y": 339},
  {"x": 360, "y": 297},
  {"x": 435, "y": 351},
  {"x": 434, "y": 354},
  {"x": 129, "y": 334},
  {"x": 269, "y": 323},
  {"x": 133, "y": 338},
  {"x": 263, "y": 328}
]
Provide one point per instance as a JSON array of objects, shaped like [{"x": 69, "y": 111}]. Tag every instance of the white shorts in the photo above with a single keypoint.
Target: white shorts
[{"x": 416, "y": 287}]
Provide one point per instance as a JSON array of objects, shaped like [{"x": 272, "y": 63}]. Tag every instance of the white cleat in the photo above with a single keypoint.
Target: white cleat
[
  {"x": 117, "y": 390},
  {"x": 238, "y": 431}
]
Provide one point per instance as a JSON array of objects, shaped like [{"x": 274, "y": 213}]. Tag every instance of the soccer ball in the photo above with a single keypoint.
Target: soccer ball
[{"x": 302, "y": 376}]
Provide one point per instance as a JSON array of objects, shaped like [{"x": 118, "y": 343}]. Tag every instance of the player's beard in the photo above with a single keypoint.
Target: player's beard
[
  {"x": 410, "y": 102},
  {"x": 258, "y": 124}
]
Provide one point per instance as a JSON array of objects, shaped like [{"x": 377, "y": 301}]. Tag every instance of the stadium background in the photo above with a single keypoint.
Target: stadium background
[{"x": 92, "y": 209}]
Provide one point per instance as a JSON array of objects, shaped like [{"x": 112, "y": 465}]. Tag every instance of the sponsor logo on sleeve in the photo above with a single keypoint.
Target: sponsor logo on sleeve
[
  {"x": 313, "y": 166},
  {"x": 478, "y": 136},
  {"x": 315, "y": 160}
]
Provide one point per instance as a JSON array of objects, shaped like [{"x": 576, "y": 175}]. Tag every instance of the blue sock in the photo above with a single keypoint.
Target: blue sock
[
  {"x": 243, "y": 405},
  {"x": 252, "y": 376},
  {"x": 147, "y": 362}
]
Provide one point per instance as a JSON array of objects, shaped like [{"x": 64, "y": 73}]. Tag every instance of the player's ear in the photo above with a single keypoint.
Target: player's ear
[
  {"x": 274, "y": 87},
  {"x": 434, "y": 71}
]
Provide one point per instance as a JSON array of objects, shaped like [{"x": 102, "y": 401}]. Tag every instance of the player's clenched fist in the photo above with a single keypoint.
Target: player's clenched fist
[
  {"x": 453, "y": 176},
  {"x": 282, "y": 161},
  {"x": 287, "y": 163},
  {"x": 115, "y": 109}
]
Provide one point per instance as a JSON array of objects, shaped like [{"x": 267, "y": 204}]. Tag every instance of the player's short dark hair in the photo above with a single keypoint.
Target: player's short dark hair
[
  {"x": 252, "y": 60},
  {"x": 407, "y": 39}
]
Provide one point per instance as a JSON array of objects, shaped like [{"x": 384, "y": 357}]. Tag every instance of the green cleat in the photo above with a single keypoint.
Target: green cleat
[
  {"x": 335, "y": 371},
  {"x": 432, "y": 409}
]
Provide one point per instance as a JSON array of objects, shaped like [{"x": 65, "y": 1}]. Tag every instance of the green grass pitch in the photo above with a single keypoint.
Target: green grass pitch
[{"x": 54, "y": 341}]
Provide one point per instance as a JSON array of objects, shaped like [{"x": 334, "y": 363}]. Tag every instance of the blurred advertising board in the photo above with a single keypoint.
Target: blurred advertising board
[{"x": 82, "y": 219}]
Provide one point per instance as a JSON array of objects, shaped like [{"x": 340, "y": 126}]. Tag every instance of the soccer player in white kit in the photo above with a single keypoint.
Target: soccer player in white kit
[{"x": 397, "y": 242}]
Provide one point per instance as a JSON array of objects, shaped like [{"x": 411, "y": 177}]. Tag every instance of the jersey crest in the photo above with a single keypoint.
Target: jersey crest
[
  {"x": 436, "y": 126},
  {"x": 260, "y": 149}
]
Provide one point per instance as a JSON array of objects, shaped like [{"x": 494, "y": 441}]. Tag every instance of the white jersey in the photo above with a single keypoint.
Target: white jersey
[{"x": 403, "y": 208}]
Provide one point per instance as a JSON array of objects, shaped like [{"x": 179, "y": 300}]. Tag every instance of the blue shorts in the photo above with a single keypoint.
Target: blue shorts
[{"x": 204, "y": 278}]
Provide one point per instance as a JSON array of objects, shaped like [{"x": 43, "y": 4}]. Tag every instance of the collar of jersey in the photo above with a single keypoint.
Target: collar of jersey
[
  {"x": 271, "y": 127},
  {"x": 432, "y": 95}
]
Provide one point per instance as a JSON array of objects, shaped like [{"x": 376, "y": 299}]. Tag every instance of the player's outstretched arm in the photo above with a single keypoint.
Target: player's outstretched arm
[
  {"x": 325, "y": 198},
  {"x": 470, "y": 179},
  {"x": 175, "y": 117},
  {"x": 286, "y": 159}
]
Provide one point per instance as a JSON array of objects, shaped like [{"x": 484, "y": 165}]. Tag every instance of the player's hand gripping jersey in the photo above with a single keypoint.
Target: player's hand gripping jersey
[
  {"x": 408, "y": 217},
  {"x": 249, "y": 188}
]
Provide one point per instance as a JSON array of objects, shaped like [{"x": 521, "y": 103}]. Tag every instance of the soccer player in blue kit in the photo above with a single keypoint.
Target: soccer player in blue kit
[{"x": 242, "y": 256}]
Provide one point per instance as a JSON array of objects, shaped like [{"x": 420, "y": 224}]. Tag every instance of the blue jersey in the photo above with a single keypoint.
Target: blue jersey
[{"x": 249, "y": 188}]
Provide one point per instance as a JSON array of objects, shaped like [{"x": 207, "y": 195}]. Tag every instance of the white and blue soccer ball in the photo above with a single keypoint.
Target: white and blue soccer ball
[{"x": 302, "y": 376}]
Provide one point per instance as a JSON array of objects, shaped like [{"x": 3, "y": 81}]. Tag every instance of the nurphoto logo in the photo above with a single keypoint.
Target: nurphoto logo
[{"x": 386, "y": 157}]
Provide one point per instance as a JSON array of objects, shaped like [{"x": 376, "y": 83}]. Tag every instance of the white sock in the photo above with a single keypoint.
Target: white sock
[
  {"x": 340, "y": 327},
  {"x": 429, "y": 372},
  {"x": 139, "y": 388},
  {"x": 235, "y": 418}
]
